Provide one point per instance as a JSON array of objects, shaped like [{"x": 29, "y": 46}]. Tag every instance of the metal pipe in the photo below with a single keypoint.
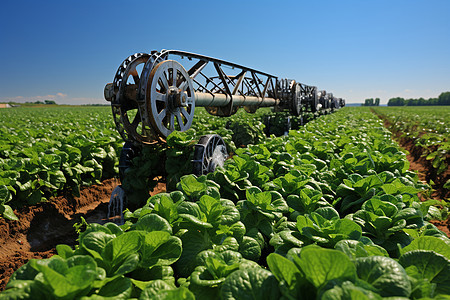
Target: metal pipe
[{"x": 207, "y": 99}]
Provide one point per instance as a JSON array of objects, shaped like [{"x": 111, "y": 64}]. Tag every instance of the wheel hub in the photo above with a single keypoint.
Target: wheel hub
[{"x": 176, "y": 98}]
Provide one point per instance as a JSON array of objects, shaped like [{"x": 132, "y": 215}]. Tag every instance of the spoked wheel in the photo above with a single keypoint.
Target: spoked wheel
[
  {"x": 128, "y": 110},
  {"x": 209, "y": 153},
  {"x": 170, "y": 98},
  {"x": 296, "y": 104}
]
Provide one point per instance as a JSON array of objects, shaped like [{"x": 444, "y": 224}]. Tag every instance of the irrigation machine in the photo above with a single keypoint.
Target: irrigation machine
[{"x": 153, "y": 95}]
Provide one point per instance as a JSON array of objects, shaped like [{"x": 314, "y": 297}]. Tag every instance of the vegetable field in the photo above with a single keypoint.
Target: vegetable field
[
  {"x": 425, "y": 133},
  {"x": 44, "y": 151},
  {"x": 330, "y": 211}
]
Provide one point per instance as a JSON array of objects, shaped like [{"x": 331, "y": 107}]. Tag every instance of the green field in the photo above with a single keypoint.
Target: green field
[
  {"x": 44, "y": 150},
  {"x": 330, "y": 211},
  {"x": 427, "y": 126}
]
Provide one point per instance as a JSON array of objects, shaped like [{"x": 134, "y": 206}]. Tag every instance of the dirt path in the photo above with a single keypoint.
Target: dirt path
[{"x": 41, "y": 227}]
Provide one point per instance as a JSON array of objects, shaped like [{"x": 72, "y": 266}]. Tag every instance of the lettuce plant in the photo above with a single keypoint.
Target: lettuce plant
[
  {"x": 384, "y": 222},
  {"x": 318, "y": 272},
  {"x": 209, "y": 223},
  {"x": 261, "y": 210},
  {"x": 325, "y": 228},
  {"x": 212, "y": 270}
]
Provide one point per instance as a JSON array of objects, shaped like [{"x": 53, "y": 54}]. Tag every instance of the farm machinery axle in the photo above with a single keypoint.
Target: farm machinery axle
[{"x": 153, "y": 95}]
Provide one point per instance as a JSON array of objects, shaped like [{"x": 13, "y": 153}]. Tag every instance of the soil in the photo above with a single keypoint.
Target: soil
[{"x": 41, "y": 227}]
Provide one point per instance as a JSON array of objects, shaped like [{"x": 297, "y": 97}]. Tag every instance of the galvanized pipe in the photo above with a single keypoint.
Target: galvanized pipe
[{"x": 207, "y": 99}]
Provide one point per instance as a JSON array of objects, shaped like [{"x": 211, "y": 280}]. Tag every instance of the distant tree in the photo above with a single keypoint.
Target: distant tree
[
  {"x": 398, "y": 101},
  {"x": 50, "y": 102},
  {"x": 432, "y": 101},
  {"x": 377, "y": 101},
  {"x": 411, "y": 102},
  {"x": 444, "y": 98},
  {"x": 38, "y": 102},
  {"x": 368, "y": 102}
]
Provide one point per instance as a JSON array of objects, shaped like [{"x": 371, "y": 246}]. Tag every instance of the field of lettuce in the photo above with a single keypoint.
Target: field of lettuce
[
  {"x": 44, "y": 151},
  {"x": 330, "y": 211}
]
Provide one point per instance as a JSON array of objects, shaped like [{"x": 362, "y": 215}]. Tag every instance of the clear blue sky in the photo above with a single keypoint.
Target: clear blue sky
[{"x": 68, "y": 50}]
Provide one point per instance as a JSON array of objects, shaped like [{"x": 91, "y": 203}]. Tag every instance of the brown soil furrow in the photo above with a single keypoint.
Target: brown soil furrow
[{"x": 42, "y": 227}]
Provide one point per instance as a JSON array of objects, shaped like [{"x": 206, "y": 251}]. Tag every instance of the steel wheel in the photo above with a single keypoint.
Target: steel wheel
[
  {"x": 128, "y": 111},
  {"x": 170, "y": 98},
  {"x": 210, "y": 152}
]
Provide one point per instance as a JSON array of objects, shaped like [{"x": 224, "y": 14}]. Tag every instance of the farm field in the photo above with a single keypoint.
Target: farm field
[
  {"x": 332, "y": 196},
  {"x": 44, "y": 151},
  {"x": 425, "y": 133}
]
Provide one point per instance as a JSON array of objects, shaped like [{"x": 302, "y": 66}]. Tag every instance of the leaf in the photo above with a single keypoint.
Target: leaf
[
  {"x": 159, "y": 248},
  {"x": 7, "y": 212},
  {"x": 25, "y": 272},
  {"x": 95, "y": 242},
  {"x": 349, "y": 290},
  {"x": 119, "y": 288},
  {"x": 5, "y": 195},
  {"x": 230, "y": 213},
  {"x": 116, "y": 252},
  {"x": 253, "y": 283},
  {"x": 385, "y": 274},
  {"x": 389, "y": 189},
  {"x": 429, "y": 265},
  {"x": 191, "y": 186},
  {"x": 129, "y": 264},
  {"x": 67, "y": 281},
  {"x": 283, "y": 269},
  {"x": 193, "y": 242},
  {"x": 154, "y": 287},
  {"x": 211, "y": 208},
  {"x": 327, "y": 212},
  {"x": 355, "y": 249},
  {"x": 64, "y": 251},
  {"x": 153, "y": 222},
  {"x": 250, "y": 248},
  {"x": 181, "y": 293},
  {"x": 428, "y": 243},
  {"x": 26, "y": 289},
  {"x": 321, "y": 265}
]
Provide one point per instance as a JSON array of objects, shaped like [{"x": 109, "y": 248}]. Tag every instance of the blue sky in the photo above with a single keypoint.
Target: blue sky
[{"x": 68, "y": 50}]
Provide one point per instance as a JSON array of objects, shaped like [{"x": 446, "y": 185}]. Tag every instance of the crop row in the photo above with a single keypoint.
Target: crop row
[
  {"x": 330, "y": 212},
  {"x": 427, "y": 127}
]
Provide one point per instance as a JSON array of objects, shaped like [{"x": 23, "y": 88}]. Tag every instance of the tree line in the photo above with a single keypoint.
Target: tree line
[
  {"x": 443, "y": 99},
  {"x": 371, "y": 102}
]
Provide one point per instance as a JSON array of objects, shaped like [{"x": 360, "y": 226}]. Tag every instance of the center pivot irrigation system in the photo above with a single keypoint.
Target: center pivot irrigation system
[{"x": 153, "y": 95}]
